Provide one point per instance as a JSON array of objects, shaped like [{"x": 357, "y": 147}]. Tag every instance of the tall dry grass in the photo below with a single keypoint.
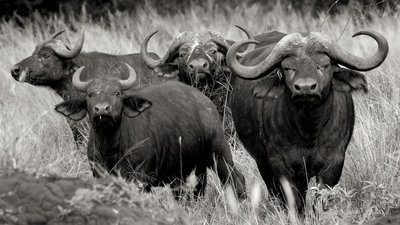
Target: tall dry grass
[{"x": 34, "y": 138}]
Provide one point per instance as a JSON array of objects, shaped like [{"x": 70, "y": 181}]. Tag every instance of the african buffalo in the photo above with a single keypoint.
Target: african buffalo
[
  {"x": 293, "y": 109},
  {"x": 197, "y": 59},
  {"x": 52, "y": 64},
  {"x": 157, "y": 133}
]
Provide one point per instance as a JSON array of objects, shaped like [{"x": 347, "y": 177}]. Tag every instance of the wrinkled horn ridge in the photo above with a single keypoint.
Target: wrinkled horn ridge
[
  {"x": 128, "y": 83},
  {"x": 285, "y": 47},
  {"x": 248, "y": 72},
  {"x": 76, "y": 80},
  {"x": 281, "y": 50},
  {"x": 361, "y": 63}
]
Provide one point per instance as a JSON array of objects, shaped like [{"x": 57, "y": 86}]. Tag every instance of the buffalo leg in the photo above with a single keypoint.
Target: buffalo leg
[
  {"x": 177, "y": 187},
  {"x": 201, "y": 174},
  {"x": 95, "y": 162},
  {"x": 271, "y": 178},
  {"x": 226, "y": 170},
  {"x": 330, "y": 174},
  {"x": 179, "y": 190}
]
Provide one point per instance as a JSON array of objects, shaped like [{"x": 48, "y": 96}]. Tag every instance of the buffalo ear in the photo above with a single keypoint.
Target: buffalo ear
[
  {"x": 69, "y": 68},
  {"x": 74, "y": 109},
  {"x": 220, "y": 60},
  {"x": 168, "y": 70},
  {"x": 134, "y": 105},
  {"x": 270, "y": 86},
  {"x": 345, "y": 80}
]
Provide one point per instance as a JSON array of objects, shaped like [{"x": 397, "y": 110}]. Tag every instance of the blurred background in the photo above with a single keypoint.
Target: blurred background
[{"x": 100, "y": 8}]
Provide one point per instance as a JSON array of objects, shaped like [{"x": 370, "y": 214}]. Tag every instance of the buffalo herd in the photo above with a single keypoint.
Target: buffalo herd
[{"x": 158, "y": 119}]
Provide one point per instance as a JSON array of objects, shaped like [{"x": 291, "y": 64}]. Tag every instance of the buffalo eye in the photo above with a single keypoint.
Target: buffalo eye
[
  {"x": 213, "y": 52},
  {"x": 89, "y": 95},
  {"x": 324, "y": 66},
  {"x": 116, "y": 94},
  {"x": 46, "y": 55},
  {"x": 288, "y": 70},
  {"x": 183, "y": 55}
]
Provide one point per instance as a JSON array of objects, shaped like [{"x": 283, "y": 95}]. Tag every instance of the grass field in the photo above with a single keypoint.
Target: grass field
[{"x": 36, "y": 139}]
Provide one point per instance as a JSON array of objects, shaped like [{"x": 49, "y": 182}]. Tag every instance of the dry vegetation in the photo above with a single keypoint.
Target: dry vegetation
[{"x": 34, "y": 138}]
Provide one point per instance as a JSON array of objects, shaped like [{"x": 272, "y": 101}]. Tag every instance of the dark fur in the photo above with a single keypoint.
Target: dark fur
[
  {"x": 56, "y": 73},
  {"x": 218, "y": 84},
  {"x": 179, "y": 132},
  {"x": 297, "y": 141},
  {"x": 96, "y": 64}
]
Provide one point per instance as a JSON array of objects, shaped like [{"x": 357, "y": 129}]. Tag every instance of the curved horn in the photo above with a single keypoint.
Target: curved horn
[
  {"x": 361, "y": 63},
  {"x": 153, "y": 63},
  {"x": 76, "y": 80},
  {"x": 52, "y": 37},
  {"x": 234, "y": 65},
  {"x": 66, "y": 53},
  {"x": 55, "y": 34},
  {"x": 250, "y": 36},
  {"x": 128, "y": 83},
  {"x": 281, "y": 50},
  {"x": 220, "y": 43}
]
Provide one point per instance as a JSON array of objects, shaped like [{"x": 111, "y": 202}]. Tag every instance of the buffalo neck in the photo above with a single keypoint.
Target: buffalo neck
[
  {"x": 63, "y": 86},
  {"x": 107, "y": 140},
  {"x": 308, "y": 120}
]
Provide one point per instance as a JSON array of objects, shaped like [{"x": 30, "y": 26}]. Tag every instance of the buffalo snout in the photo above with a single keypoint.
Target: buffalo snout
[
  {"x": 102, "y": 109},
  {"x": 15, "y": 72},
  {"x": 199, "y": 65},
  {"x": 305, "y": 86}
]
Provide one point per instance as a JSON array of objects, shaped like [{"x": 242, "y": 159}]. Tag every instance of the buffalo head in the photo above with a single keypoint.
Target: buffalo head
[
  {"x": 48, "y": 62},
  {"x": 194, "y": 57},
  {"x": 105, "y": 100},
  {"x": 306, "y": 66}
]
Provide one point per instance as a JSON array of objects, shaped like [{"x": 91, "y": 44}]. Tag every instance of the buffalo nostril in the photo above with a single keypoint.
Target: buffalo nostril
[
  {"x": 96, "y": 109},
  {"x": 16, "y": 70},
  {"x": 107, "y": 108},
  {"x": 205, "y": 65},
  {"x": 297, "y": 87},
  {"x": 191, "y": 66},
  {"x": 313, "y": 87}
]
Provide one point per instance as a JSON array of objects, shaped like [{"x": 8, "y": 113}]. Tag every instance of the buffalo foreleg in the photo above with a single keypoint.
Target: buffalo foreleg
[
  {"x": 330, "y": 174},
  {"x": 272, "y": 174},
  {"x": 229, "y": 174},
  {"x": 201, "y": 174}
]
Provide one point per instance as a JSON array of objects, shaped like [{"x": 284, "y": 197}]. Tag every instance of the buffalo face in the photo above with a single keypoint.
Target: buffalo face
[
  {"x": 307, "y": 77},
  {"x": 105, "y": 101},
  {"x": 48, "y": 63},
  {"x": 306, "y": 67},
  {"x": 196, "y": 58},
  {"x": 199, "y": 62}
]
